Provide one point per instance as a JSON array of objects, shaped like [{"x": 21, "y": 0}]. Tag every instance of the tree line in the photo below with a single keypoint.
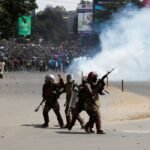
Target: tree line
[
  {"x": 49, "y": 24},
  {"x": 10, "y": 10}
]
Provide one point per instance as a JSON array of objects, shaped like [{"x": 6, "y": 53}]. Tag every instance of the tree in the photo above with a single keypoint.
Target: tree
[
  {"x": 50, "y": 24},
  {"x": 10, "y": 10},
  {"x": 75, "y": 25}
]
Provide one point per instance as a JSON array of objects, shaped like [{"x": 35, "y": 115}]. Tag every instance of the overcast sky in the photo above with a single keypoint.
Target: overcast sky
[{"x": 68, "y": 4}]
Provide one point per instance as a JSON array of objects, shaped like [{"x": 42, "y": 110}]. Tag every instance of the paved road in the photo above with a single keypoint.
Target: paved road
[{"x": 19, "y": 124}]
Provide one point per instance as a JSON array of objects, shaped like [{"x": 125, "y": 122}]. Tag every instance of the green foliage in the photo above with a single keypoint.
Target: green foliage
[
  {"x": 10, "y": 10},
  {"x": 50, "y": 24},
  {"x": 75, "y": 25}
]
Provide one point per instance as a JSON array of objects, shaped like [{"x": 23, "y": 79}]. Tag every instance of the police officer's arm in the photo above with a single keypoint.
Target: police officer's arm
[
  {"x": 105, "y": 76},
  {"x": 75, "y": 87},
  {"x": 88, "y": 89},
  {"x": 63, "y": 90},
  {"x": 92, "y": 93},
  {"x": 57, "y": 90}
]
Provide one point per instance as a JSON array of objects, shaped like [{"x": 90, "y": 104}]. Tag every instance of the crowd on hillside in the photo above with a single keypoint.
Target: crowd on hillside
[{"x": 39, "y": 56}]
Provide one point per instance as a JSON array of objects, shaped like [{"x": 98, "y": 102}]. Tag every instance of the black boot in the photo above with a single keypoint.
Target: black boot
[
  {"x": 100, "y": 132},
  {"x": 45, "y": 125},
  {"x": 87, "y": 129},
  {"x": 70, "y": 127},
  {"x": 62, "y": 126},
  {"x": 92, "y": 130}
]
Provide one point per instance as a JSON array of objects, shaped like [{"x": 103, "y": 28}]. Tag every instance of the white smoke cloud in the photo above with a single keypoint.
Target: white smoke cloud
[{"x": 125, "y": 46}]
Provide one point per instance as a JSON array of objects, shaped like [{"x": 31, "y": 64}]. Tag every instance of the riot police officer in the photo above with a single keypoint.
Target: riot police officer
[{"x": 50, "y": 94}]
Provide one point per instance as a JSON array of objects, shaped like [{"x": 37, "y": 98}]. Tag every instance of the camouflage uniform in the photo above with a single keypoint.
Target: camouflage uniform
[
  {"x": 69, "y": 110},
  {"x": 93, "y": 106},
  {"x": 83, "y": 96}
]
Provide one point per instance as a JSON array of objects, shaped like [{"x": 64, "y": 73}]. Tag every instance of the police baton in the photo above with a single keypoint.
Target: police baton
[{"x": 38, "y": 107}]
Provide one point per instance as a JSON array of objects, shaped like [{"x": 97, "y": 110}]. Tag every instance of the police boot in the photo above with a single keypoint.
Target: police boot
[
  {"x": 82, "y": 126},
  {"x": 68, "y": 121},
  {"x": 100, "y": 132},
  {"x": 70, "y": 127},
  {"x": 87, "y": 128},
  {"x": 62, "y": 126},
  {"x": 45, "y": 125},
  {"x": 92, "y": 130}
]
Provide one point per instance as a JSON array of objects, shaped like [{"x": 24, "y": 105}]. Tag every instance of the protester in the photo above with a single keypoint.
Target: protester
[{"x": 40, "y": 57}]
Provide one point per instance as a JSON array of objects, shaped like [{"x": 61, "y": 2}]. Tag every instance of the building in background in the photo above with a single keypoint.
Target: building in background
[{"x": 103, "y": 9}]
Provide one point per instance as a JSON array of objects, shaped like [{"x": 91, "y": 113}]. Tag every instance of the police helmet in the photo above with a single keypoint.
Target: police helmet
[
  {"x": 69, "y": 77},
  {"x": 50, "y": 78},
  {"x": 92, "y": 77}
]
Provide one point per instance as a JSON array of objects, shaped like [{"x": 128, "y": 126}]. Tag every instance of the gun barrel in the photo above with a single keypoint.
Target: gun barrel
[{"x": 112, "y": 70}]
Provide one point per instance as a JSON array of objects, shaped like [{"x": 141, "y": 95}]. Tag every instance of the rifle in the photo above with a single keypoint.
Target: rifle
[
  {"x": 101, "y": 83},
  {"x": 38, "y": 107},
  {"x": 107, "y": 74},
  {"x": 106, "y": 91}
]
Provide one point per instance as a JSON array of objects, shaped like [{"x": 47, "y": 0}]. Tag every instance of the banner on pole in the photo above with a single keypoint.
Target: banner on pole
[{"x": 24, "y": 23}]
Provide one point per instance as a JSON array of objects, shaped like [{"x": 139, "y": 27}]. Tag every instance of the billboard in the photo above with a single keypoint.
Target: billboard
[
  {"x": 146, "y": 3},
  {"x": 85, "y": 18},
  {"x": 24, "y": 25},
  {"x": 104, "y": 8}
]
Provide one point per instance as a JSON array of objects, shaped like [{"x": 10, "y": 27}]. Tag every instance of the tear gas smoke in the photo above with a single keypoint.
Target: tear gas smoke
[{"x": 125, "y": 42}]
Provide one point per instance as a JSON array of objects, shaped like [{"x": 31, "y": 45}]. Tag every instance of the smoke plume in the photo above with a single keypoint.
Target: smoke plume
[{"x": 125, "y": 42}]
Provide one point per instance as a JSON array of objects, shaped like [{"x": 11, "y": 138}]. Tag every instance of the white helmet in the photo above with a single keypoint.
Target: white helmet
[{"x": 50, "y": 77}]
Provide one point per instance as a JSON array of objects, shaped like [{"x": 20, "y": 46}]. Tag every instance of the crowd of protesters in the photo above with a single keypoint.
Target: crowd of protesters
[{"x": 39, "y": 56}]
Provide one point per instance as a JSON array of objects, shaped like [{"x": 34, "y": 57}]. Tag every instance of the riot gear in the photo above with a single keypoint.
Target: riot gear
[
  {"x": 50, "y": 78},
  {"x": 69, "y": 78},
  {"x": 92, "y": 77}
]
